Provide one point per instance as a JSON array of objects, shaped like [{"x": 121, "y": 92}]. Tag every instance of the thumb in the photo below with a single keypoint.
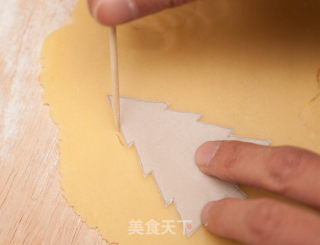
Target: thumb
[{"x": 114, "y": 12}]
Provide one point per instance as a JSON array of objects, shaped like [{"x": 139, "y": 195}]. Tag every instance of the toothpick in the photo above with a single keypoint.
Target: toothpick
[{"x": 114, "y": 76}]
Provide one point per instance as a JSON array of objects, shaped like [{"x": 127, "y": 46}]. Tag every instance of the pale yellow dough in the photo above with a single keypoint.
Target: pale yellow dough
[{"x": 247, "y": 65}]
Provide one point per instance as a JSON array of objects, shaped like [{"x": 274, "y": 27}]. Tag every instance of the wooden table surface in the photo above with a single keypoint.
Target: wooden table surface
[{"x": 32, "y": 208}]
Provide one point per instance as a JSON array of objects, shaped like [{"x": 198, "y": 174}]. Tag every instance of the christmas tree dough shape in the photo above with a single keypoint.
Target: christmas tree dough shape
[{"x": 165, "y": 141}]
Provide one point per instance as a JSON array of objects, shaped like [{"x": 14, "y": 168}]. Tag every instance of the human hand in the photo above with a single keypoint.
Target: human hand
[
  {"x": 289, "y": 171},
  {"x": 114, "y": 12}
]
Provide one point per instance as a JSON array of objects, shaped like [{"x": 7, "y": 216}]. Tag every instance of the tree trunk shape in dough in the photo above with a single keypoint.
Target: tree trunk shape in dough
[{"x": 165, "y": 141}]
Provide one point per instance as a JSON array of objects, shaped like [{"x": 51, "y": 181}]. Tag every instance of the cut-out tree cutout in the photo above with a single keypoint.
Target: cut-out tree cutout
[{"x": 166, "y": 141}]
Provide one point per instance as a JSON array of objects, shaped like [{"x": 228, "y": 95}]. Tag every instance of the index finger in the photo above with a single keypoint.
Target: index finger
[{"x": 285, "y": 170}]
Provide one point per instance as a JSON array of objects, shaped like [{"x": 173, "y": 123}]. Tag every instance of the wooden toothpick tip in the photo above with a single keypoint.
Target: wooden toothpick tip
[{"x": 114, "y": 76}]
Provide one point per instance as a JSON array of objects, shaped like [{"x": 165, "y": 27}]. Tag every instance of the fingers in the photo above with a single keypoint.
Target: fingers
[
  {"x": 290, "y": 171},
  {"x": 262, "y": 222},
  {"x": 114, "y": 12}
]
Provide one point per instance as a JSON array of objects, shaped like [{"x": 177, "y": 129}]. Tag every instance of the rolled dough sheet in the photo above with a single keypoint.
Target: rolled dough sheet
[{"x": 251, "y": 66}]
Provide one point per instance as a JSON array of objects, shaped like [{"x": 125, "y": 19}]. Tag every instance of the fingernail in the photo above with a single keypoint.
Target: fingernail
[
  {"x": 206, "y": 152},
  {"x": 206, "y": 213},
  {"x": 114, "y": 12}
]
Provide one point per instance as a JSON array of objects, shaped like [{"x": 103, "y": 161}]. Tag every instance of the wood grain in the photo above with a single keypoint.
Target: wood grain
[{"x": 32, "y": 208}]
